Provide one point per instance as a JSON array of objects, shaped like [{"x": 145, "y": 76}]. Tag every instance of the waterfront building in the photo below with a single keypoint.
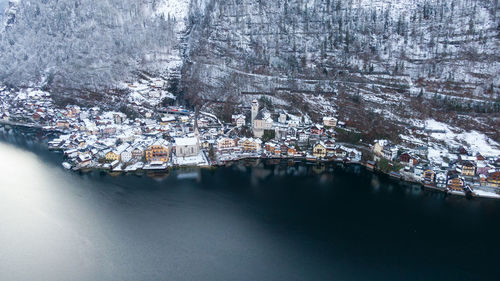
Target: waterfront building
[
  {"x": 250, "y": 144},
  {"x": 441, "y": 180},
  {"x": 428, "y": 176},
  {"x": 138, "y": 152},
  {"x": 270, "y": 147},
  {"x": 390, "y": 152},
  {"x": 158, "y": 151},
  {"x": 456, "y": 183},
  {"x": 187, "y": 147},
  {"x": 126, "y": 155},
  {"x": 112, "y": 156},
  {"x": 225, "y": 144},
  {"x": 84, "y": 159},
  {"x": 418, "y": 171},
  {"x": 493, "y": 179},
  {"x": 292, "y": 151},
  {"x": 319, "y": 150}
]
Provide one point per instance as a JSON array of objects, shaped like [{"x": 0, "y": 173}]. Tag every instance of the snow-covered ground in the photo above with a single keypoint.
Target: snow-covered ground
[
  {"x": 198, "y": 160},
  {"x": 455, "y": 137},
  {"x": 486, "y": 194}
]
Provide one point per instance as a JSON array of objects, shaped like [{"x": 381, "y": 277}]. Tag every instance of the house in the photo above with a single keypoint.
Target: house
[
  {"x": 5, "y": 116},
  {"x": 116, "y": 153},
  {"x": 158, "y": 151},
  {"x": 282, "y": 118},
  {"x": 317, "y": 130},
  {"x": 239, "y": 120},
  {"x": 119, "y": 117},
  {"x": 112, "y": 156},
  {"x": 319, "y": 150},
  {"x": 84, "y": 159},
  {"x": 404, "y": 157},
  {"x": 370, "y": 164},
  {"x": 126, "y": 155},
  {"x": 390, "y": 152},
  {"x": 340, "y": 153},
  {"x": 108, "y": 130},
  {"x": 187, "y": 146},
  {"x": 64, "y": 124},
  {"x": 303, "y": 136},
  {"x": 293, "y": 123},
  {"x": 418, "y": 172},
  {"x": 250, "y": 144},
  {"x": 428, "y": 176},
  {"x": 379, "y": 146},
  {"x": 355, "y": 155},
  {"x": 38, "y": 116},
  {"x": 137, "y": 152},
  {"x": 207, "y": 143},
  {"x": 292, "y": 151},
  {"x": 493, "y": 179},
  {"x": 283, "y": 150},
  {"x": 468, "y": 169},
  {"x": 225, "y": 144},
  {"x": 202, "y": 122},
  {"x": 483, "y": 168},
  {"x": 270, "y": 147},
  {"x": 456, "y": 183},
  {"x": 441, "y": 180},
  {"x": 330, "y": 122}
]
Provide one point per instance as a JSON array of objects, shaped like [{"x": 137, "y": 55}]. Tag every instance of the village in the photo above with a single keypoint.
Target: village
[{"x": 175, "y": 136}]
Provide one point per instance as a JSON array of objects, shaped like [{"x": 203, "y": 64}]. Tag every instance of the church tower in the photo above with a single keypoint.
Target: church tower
[{"x": 255, "y": 109}]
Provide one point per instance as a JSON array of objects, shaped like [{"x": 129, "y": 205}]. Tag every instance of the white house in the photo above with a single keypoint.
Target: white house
[
  {"x": 239, "y": 120},
  {"x": 126, "y": 155},
  {"x": 224, "y": 143},
  {"x": 330, "y": 121}
]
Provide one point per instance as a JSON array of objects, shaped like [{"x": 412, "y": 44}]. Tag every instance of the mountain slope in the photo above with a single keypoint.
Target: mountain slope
[
  {"x": 363, "y": 58},
  {"x": 84, "y": 44}
]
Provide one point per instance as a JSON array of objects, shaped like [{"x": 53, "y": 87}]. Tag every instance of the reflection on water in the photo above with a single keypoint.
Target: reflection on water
[{"x": 251, "y": 221}]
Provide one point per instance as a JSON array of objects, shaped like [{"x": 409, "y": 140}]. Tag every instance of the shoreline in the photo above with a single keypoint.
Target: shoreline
[{"x": 302, "y": 159}]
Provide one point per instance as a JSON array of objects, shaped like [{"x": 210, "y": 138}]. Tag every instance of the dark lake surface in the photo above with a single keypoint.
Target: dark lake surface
[{"x": 245, "y": 222}]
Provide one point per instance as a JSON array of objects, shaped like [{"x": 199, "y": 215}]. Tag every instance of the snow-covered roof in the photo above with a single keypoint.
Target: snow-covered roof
[{"x": 186, "y": 141}]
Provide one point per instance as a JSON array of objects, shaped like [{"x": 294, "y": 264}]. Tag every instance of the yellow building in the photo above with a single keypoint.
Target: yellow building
[
  {"x": 250, "y": 144},
  {"x": 319, "y": 150},
  {"x": 468, "y": 169},
  {"x": 112, "y": 156},
  {"x": 158, "y": 151},
  {"x": 456, "y": 184},
  {"x": 494, "y": 179},
  {"x": 429, "y": 176},
  {"x": 225, "y": 143}
]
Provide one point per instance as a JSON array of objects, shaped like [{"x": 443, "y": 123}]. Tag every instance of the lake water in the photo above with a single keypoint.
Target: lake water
[{"x": 254, "y": 222}]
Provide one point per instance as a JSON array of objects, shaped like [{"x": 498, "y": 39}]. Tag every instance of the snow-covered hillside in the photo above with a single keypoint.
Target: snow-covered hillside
[
  {"x": 362, "y": 60},
  {"x": 391, "y": 59},
  {"x": 90, "y": 45}
]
